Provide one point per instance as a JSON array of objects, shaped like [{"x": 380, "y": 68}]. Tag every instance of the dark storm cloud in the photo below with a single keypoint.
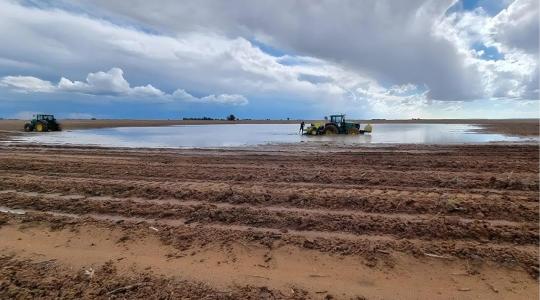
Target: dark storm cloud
[{"x": 389, "y": 40}]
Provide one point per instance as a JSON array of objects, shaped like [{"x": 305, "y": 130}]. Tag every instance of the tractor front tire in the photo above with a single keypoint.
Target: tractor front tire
[
  {"x": 331, "y": 129},
  {"x": 353, "y": 131},
  {"x": 311, "y": 131},
  {"x": 28, "y": 127},
  {"x": 41, "y": 127}
]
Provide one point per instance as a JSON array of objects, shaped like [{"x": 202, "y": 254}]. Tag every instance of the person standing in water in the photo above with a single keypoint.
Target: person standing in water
[{"x": 302, "y": 127}]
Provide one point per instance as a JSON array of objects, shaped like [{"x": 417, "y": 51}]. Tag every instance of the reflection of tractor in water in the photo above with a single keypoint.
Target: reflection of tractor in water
[
  {"x": 42, "y": 123},
  {"x": 336, "y": 125}
]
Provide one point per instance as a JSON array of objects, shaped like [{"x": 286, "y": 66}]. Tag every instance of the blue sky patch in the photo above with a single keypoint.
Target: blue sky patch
[
  {"x": 491, "y": 7},
  {"x": 488, "y": 53},
  {"x": 267, "y": 48}
]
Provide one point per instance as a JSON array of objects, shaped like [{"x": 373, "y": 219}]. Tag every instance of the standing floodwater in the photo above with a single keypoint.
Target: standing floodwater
[{"x": 235, "y": 135}]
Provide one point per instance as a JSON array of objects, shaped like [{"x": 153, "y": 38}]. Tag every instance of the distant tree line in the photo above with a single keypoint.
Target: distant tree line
[
  {"x": 200, "y": 118},
  {"x": 230, "y": 117}
]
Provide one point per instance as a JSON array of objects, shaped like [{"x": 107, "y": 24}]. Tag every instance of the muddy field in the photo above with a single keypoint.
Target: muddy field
[{"x": 397, "y": 222}]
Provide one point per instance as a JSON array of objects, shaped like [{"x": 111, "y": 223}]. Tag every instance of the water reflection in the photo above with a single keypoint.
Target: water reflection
[{"x": 209, "y": 136}]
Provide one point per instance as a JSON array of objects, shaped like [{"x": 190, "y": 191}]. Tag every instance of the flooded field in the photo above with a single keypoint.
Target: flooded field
[{"x": 236, "y": 135}]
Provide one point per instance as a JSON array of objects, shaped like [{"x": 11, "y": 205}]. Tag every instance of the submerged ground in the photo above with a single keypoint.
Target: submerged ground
[{"x": 295, "y": 221}]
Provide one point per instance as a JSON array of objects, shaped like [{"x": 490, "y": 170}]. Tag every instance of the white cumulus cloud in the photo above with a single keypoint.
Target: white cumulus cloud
[
  {"x": 212, "y": 99},
  {"x": 27, "y": 84},
  {"x": 511, "y": 72},
  {"x": 113, "y": 83}
]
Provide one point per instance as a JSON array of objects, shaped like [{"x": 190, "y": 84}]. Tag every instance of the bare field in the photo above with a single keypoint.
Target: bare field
[{"x": 401, "y": 222}]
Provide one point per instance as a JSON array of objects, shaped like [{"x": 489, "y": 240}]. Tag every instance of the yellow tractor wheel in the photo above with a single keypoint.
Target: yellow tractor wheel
[
  {"x": 40, "y": 127},
  {"x": 353, "y": 131},
  {"x": 311, "y": 131},
  {"x": 331, "y": 129},
  {"x": 368, "y": 128}
]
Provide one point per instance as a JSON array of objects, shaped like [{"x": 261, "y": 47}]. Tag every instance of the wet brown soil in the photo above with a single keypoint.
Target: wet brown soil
[{"x": 452, "y": 221}]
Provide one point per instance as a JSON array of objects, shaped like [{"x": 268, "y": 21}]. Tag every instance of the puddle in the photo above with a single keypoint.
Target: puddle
[
  {"x": 239, "y": 135},
  {"x": 8, "y": 210}
]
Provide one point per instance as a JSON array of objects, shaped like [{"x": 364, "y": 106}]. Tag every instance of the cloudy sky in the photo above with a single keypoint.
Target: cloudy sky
[{"x": 270, "y": 59}]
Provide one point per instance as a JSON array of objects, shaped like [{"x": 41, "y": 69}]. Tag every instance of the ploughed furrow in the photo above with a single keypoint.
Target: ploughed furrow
[
  {"x": 455, "y": 204},
  {"x": 373, "y": 248},
  {"x": 225, "y": 205},
  {"x": 420, "y": 226},
  {"x": 508, "y": 205},
  {"x": 358, "y": 174},
  {"x": 27, "y": 279},
  {"x": 497, "y": 158},
  {"x": 493, "y": 167}
]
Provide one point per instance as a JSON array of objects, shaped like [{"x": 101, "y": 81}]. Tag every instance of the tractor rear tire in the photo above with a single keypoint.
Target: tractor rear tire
[
  {"x": 53, "y": 127},
  {"x": 331, "y": 129}
]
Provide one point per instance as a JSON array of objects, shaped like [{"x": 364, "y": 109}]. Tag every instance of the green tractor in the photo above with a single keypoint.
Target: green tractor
[
  {"x": 42, "y": 123},
  {"x": 337, "y": 125}
]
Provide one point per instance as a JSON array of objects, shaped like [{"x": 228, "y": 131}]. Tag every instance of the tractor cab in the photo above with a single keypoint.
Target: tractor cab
[
  {"x": 337, "y": 119},
  {"x": 44, "y": 118},
  {"x": 338, "y": 125}
]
